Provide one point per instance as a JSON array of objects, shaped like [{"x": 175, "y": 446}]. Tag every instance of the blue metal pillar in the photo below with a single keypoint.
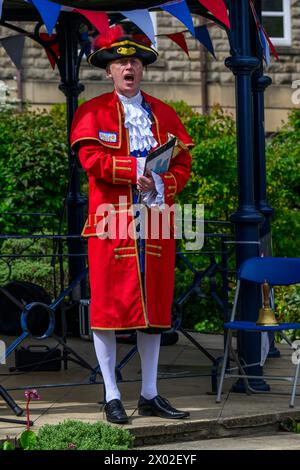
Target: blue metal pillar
[
  {"x": 259, "y": 84},
  {"x": 247, "y": 218},
  {"x": 69, "y": 69}
]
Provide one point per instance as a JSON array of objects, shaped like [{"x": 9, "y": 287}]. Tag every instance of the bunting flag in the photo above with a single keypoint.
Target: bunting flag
[
  {"x": 270, "y": 43},
  {"x": 14, "y": 46},
  {"x": 179, "y": 39},
  {"x": 1, "y": 5},
  {"x": 202, "y": 35},
  {"x": 264, "y": 39},
  {"x": 85, "y": 42},
  {"x": 64, "y": 8},
  {"x": 49, "y": 12},
  {"x": 99, "y": 19},
  {"x": 218, "y": 10},
  {"x": 143, "y": 20},
  {"x": 265, "y": 46},
  {"x": 54, "y": 47},
  {"x": 181, "y": 11}
]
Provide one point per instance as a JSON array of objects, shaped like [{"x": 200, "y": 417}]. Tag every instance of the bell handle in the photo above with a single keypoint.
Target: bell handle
[{"x": 266, "y": 294}]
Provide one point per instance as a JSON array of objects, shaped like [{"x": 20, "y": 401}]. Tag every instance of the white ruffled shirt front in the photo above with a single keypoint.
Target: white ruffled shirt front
[{"x": 138, "y": 123}]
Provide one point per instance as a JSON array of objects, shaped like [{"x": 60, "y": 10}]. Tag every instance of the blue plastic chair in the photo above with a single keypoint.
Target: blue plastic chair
[{"x": 275, "y": 271}]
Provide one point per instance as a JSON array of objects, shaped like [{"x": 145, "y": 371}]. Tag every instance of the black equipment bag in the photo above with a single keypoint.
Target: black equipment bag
[{"x": 37, "y": 358}]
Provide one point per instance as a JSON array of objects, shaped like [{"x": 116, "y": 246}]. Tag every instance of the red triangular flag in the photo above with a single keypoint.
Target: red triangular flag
[
  {"x": 218, "y": 9},
  {"x": 98, "y": 18},
  {"x": 179, "y": 39},
  {"x": 54, "y": 47}
]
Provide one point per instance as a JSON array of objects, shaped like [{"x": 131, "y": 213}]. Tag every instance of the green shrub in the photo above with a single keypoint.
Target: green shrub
[
  {"x": 283, "y": 178},
  {"x": 33, "y": 164},
  {"x": 78, "y": 435},
  {"x": 74, "y": 435},
  {"x": 37, "y": 270},
  {"x": 213, "y": 180},
  {"x": 183, "y": 110},
  {"x": 290, "y": 425},
  {"x": 287, "y": 307},
  {"x": 213, "y": 183}
]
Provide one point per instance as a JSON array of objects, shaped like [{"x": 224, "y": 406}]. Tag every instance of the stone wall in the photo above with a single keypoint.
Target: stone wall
[{"x": 173, "y": 76}]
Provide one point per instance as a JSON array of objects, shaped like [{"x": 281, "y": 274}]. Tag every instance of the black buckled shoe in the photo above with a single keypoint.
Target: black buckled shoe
[
  {"x": 159, "y": 406},
  {"x": 115, "y": 412}
]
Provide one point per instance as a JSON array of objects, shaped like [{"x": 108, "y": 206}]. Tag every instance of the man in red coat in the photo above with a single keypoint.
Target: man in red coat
[{"x": 131, "y": 267}]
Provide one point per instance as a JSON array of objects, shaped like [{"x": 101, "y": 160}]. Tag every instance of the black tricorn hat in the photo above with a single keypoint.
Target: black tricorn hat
[{"x": 115, "y": 44}]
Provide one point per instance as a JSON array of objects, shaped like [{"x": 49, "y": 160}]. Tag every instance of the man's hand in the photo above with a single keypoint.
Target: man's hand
[{"x": 145, "y": 183}]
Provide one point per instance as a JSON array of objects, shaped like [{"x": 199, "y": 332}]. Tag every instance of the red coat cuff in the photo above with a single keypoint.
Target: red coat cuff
[
  {"x": 124, "y": 170},
  {"x": 170, "y": 184}
]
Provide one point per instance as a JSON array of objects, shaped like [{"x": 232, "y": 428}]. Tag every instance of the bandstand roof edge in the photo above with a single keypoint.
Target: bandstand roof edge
[{"x": 19, "y": 10}]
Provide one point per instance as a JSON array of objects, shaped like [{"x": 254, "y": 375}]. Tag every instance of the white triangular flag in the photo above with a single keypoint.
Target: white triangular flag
[{"x": 143, "y": 20}]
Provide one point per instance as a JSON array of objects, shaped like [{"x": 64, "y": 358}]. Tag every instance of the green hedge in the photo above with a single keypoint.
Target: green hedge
[
  {"x": 33, "y": 164},
  {"x": 214, "y": 183},
  {"x": 283, "y": 178},
  {"x": 214, "y": 173}
]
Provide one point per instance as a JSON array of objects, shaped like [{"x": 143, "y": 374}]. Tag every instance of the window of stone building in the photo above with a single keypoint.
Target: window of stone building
[{"x": 277, "y": 20}]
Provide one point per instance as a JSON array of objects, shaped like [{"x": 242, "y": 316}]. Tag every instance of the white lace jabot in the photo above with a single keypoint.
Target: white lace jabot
[{"x": 138, "y": 123}]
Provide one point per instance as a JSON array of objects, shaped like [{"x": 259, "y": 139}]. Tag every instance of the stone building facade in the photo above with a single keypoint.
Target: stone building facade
[{"x": 200, "y": 79}]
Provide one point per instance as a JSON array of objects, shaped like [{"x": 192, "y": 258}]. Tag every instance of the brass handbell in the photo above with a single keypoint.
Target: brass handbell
[{"x": 266, "y": 315}]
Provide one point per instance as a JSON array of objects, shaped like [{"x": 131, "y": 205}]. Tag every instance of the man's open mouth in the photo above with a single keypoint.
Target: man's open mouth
[{"x": 129, "y": 77}]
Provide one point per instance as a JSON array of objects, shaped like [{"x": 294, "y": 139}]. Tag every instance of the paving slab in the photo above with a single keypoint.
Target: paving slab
[
  {"x": 184, "y": 378},
  {"x": 278, "y": 441}
]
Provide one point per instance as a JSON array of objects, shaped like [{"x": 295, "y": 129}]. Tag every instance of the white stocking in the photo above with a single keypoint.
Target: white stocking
[
  {"x": 106, "y": 351},
  {"x": 148, "y": 347}
]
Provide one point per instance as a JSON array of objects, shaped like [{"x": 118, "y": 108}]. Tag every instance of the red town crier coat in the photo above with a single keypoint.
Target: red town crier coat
[{"x": 117, "y": 300}]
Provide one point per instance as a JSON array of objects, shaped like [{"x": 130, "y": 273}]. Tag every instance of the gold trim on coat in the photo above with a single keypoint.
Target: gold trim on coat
[
  {"x": 158, "y": 247},
  {"x": 123, "y": 168},
  {"x": 121, "y": 248},
  {"x": 119, "y": 160},
  {"x": 171, "y": 175},
  {"x": 157, "y": 127},
  {"x": 84, "y": 138},
  {"x": 127, "y": 255},
  {"x": 153, "y": 254},
  {"x": 138, "y": 327},
  {"x": 120, "y": 133},
  {"x": 125, "y": 180}
]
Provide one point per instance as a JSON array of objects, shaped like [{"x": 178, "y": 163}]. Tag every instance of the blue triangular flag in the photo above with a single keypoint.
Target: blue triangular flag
[
  {"x": 1, "y": 5},
  {"x": 265, "y": 46},
  {"x": 181, "y": 11},
  {"x": 143, "y": 20},
  {"x": 84, "y": 40},
  {"x": 49, "y": 12},
  {"x": 202, "y": 35}
]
